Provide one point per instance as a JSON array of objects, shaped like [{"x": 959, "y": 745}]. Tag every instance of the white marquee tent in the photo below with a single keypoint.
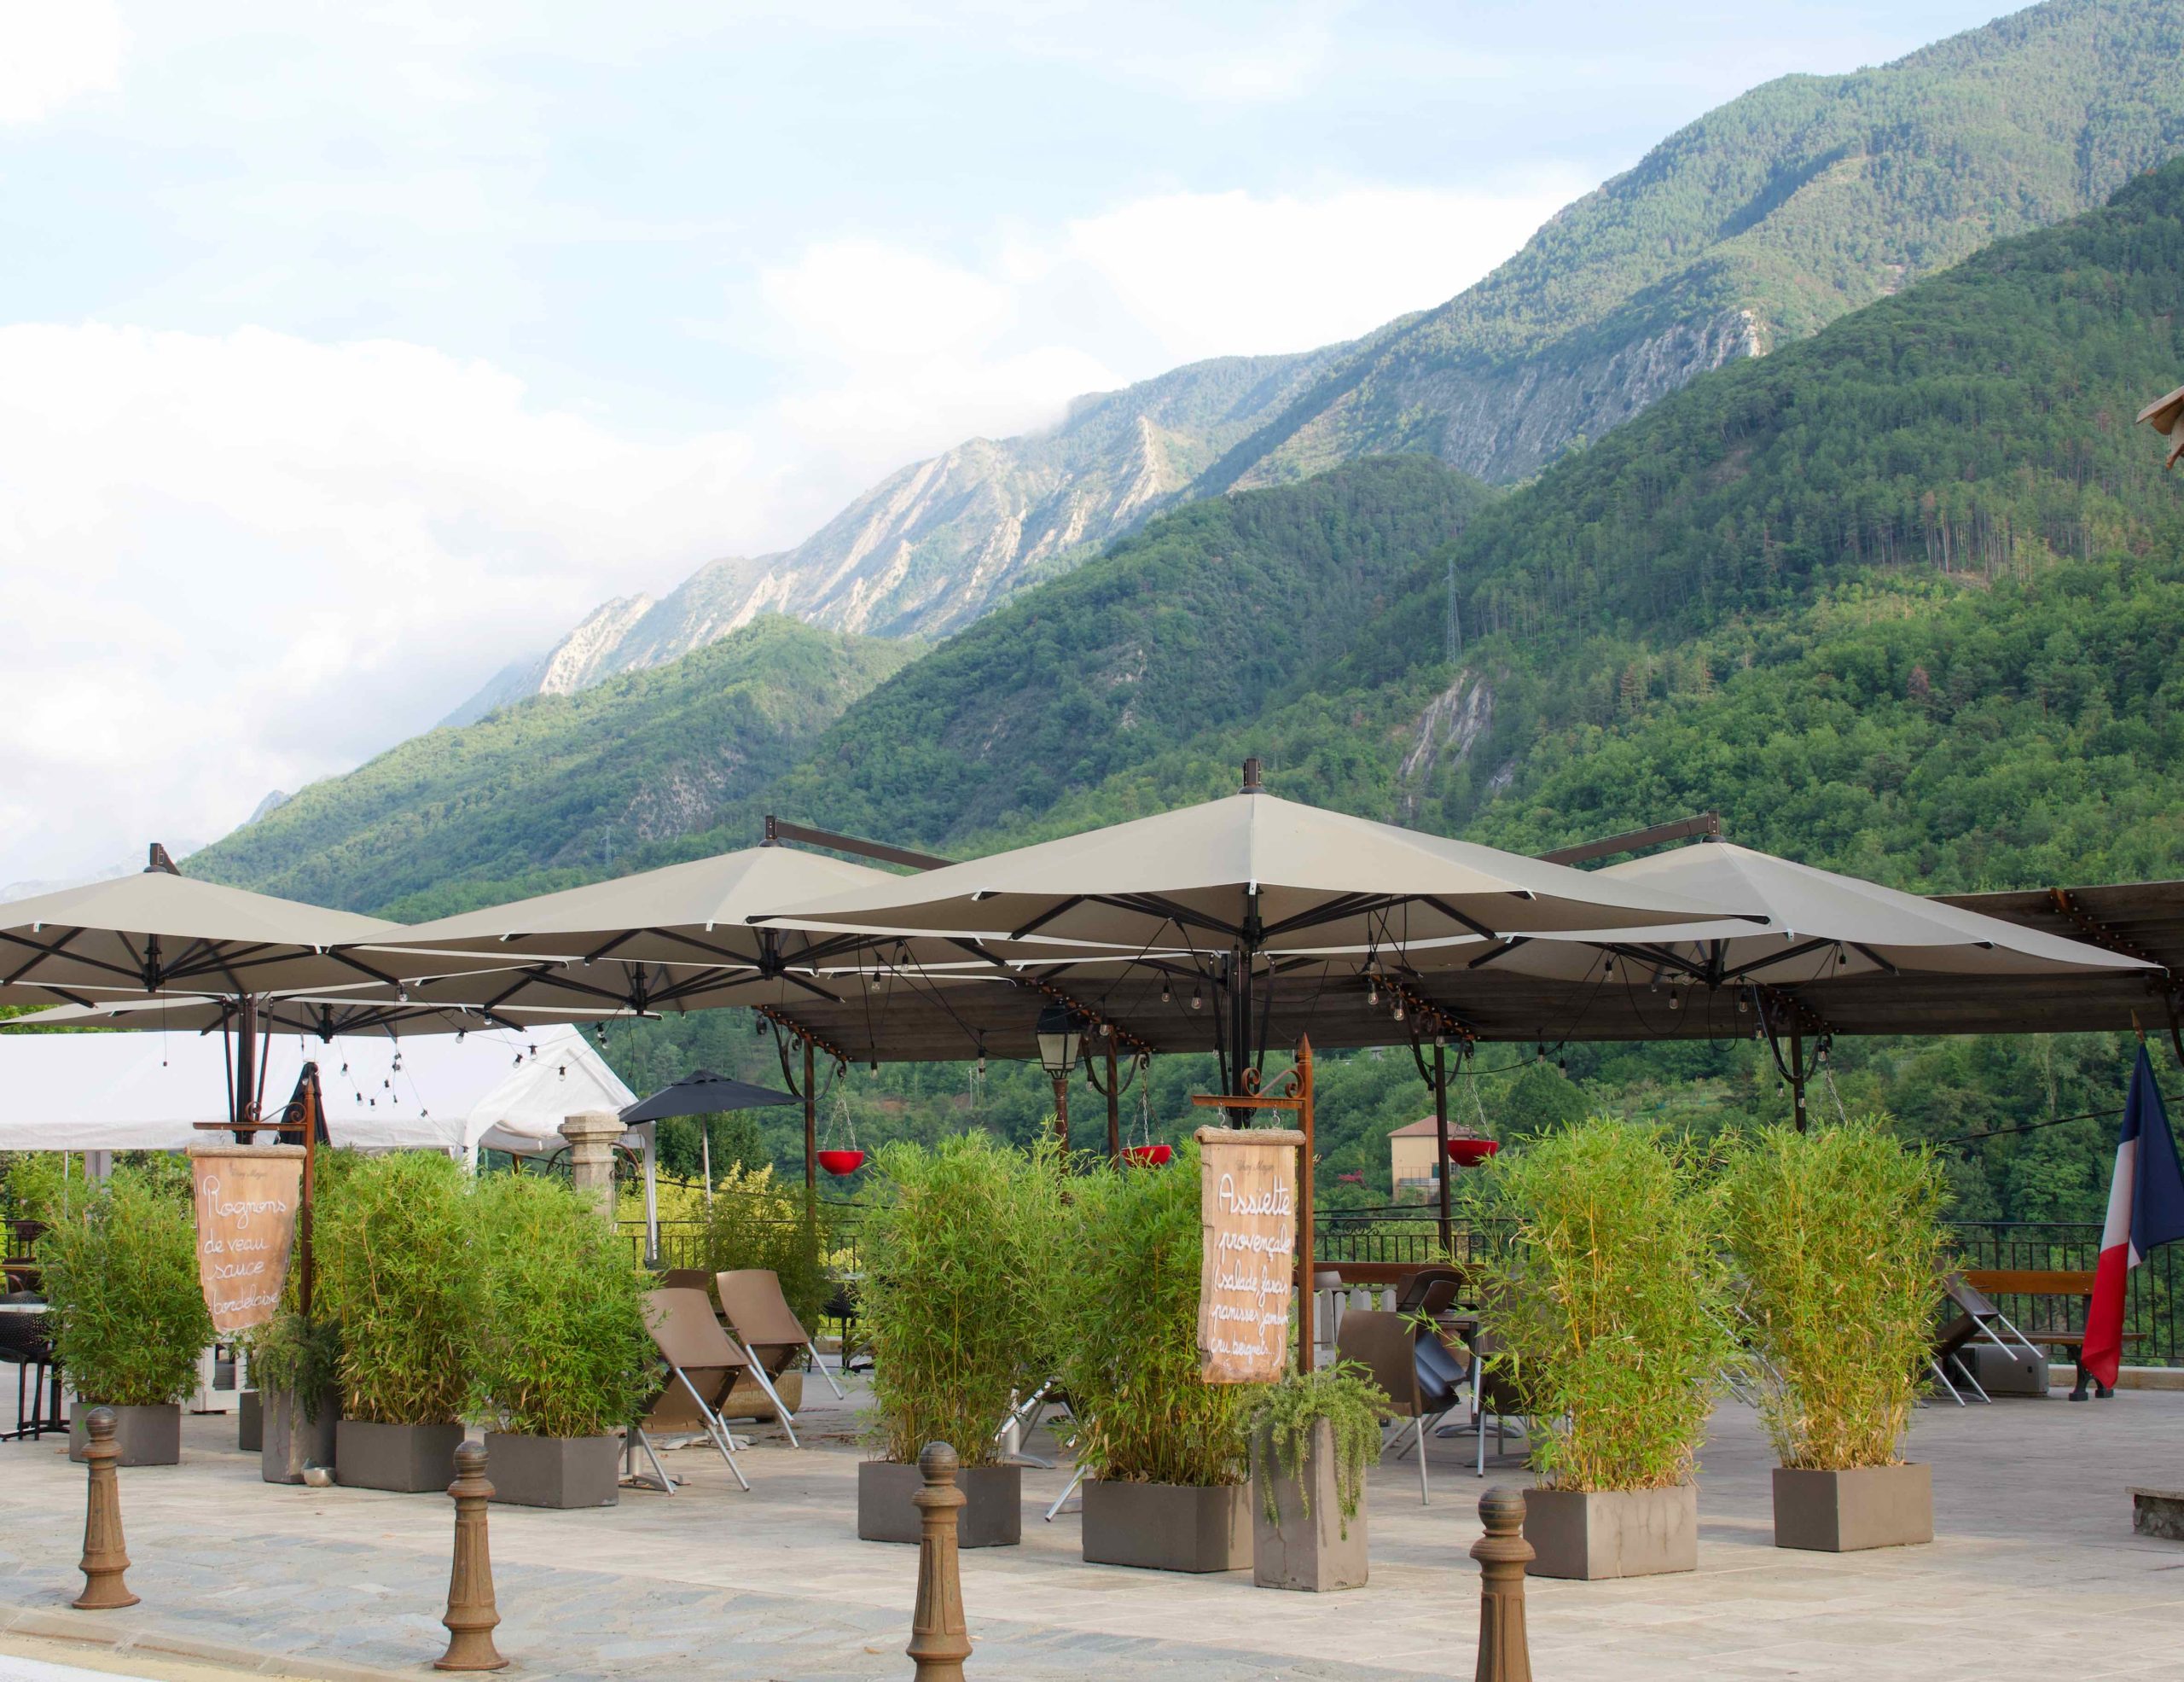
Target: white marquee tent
[{"x": 498, "y": 1090}]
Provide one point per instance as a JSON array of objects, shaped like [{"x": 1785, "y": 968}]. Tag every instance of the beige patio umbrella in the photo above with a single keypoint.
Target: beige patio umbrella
[
  {"x": 1825, "y": 929},
  {"x": 321, "y": 1016},
  {"x": 1249, "y": 879},
  {"x": 159, "y": 932},
  {"x": 682, "y": 937},
  {"x": 1822, "y": 926}
]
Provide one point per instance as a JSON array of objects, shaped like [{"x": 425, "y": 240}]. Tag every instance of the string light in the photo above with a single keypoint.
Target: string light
[
  {"x": 1675, "y": 1000},
  {"x": 1196, "y": 1002},
  {"x": 1166, "y": 995}
]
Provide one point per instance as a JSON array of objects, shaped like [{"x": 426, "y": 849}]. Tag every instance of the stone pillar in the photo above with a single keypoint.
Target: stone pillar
[{"x": 591, "y": 1138}]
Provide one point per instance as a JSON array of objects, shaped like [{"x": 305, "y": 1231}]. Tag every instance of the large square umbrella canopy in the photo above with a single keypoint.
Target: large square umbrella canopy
[
  {"x": 1258, "y": 873},
  {"x": 157, "y": 932}
]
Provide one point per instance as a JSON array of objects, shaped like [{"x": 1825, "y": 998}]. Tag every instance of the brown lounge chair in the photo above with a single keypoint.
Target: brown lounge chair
[
  {"x": 765, "y": 1324},
  {"x": 702, "y": 1360},
  {"x": 1416, "y": 1370}
]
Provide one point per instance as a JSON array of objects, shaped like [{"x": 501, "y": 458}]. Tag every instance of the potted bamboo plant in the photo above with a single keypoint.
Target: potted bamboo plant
[
  {"x": 955, "y": 1308},
  {"x": 121, "y": 1275},
  {"x": 1168, "y": 1451},
  {"x": 1608, "y": 1305},
  {"x": 393, "y": 1251},
  {"x": 296, "y": 1365},
  {"x": 561, "y": 1355},
  {"x": 1837, "y": 1235},
  {"x": 1313, "y": 1436}
]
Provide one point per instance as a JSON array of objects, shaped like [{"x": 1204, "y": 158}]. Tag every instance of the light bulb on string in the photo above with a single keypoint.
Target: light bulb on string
[{"x": 1675, "y": 1000}]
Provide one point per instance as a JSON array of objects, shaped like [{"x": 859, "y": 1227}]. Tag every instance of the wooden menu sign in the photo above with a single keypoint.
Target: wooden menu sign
[
  {"x": 1247, "y": 1209},
  {"x": 247, "y": 1198}
]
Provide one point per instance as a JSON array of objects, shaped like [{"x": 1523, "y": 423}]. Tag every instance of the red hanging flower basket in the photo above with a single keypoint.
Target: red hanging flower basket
[
  {"x": 841, "y": 1162},
  {"x": 1470, "y": 1153},
  {"x": 1150, "y": 1155}
]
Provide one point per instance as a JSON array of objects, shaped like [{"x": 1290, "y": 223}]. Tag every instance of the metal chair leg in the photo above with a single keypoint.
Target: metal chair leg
[
  {"x": 819, "y": 1366},
  {"x": 1423, "y": 1500},
  {"x": 781, "y": 1407},
  {"x": 1068, "y": 1490},
  {"x": 716, "y": 1427}
]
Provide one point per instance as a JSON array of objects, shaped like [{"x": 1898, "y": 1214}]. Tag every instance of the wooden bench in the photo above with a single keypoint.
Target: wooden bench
[{"x": 2047, "y": 1284}]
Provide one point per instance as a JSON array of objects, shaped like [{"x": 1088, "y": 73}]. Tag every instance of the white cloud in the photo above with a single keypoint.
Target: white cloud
[
  {"x": 1217, "y": 274},
  {"x": 892, "y": 353},
  {"x": 52, "y": 51},
  {"x": 235, "y": 563}
]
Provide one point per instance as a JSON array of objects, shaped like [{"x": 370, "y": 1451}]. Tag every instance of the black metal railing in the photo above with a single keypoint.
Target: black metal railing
[
  {"x": 682, "y": 1243},
  {"x": 2149, "y": 1293}
]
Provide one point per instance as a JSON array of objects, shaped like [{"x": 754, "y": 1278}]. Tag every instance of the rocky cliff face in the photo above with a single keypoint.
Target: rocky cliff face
[{"x": 943, "y": 542}]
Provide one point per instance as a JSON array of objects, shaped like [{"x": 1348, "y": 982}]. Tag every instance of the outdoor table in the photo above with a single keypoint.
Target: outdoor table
[{"x": 36, "y": 1411}]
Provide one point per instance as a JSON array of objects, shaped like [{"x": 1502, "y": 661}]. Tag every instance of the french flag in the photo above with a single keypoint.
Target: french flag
[{"x": 2145, "y": 1208}]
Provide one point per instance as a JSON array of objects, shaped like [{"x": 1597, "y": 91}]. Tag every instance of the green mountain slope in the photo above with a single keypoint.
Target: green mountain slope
[
  {"x": 1757, "y": 224},
  {"x": 1947, "y": 481},
  {"x": 1193, "y": 623},
  {"x": 561, "y": 787}
]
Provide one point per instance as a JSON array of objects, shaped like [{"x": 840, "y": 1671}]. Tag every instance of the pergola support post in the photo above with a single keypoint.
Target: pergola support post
[{"x": 1441, "y": 1139}]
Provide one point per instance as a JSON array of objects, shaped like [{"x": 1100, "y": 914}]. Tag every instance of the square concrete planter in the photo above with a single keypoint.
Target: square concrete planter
[
  {"x": 250, "y": 1423},
  {"x": 1592, "y": 1534},
  {"x": 554, "y": 1471},
  {"x": 148, "y": 1437},
  {"x": 289, "y": 1441},
  {"x": 1295, "y": 1551},
  {"x": 992, "y": 1516},
  {"x": 1168, "y": 1527},
  {"x": 1866, "y": 1507},
  {"x": 407, "y": 1458}
]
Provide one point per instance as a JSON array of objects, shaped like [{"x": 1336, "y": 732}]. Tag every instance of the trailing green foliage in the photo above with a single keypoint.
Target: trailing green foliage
[
  {"x": 298, "y": 1356},
  {"x": 395, "y": 1264},
  {"x": 1284, "y": 1416},
  {"x": 121, "y": 1274},
  {"x": 1837, "y": 1238},
  {"x": 1609, "y": 1302},
  {"x": 756, "y": 1221},
  {"x": 1127, "y": 1309},
  {"x": 954, "y": 1297},
  {"x": 560, "y": 1346}
]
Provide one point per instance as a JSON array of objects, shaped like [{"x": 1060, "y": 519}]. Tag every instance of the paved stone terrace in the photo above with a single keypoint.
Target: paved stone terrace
[{"x": 2035, "y": 1573}]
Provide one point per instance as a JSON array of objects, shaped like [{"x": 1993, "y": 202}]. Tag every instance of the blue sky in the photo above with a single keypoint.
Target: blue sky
[{"x": 348, "y": 351}]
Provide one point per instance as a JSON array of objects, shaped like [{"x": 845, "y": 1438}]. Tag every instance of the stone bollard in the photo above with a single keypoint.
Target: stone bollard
[
  {"x": 105, "y": 1558},
  {"x": 592, "y": 1137},
  {"x": 1502, "y": 1553},
  {"x": 471, "y": 1612},
  {"x": 939, "y": 1642}
]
